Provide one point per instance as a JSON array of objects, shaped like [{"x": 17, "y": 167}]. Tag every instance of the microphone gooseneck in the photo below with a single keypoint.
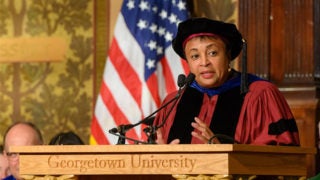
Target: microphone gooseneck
[
  {"x": 121, "y": 128},
  {"x": 123, "y": 137},
  {"x": 182, "y": 83},
  {"x": 190, "y": 78}
]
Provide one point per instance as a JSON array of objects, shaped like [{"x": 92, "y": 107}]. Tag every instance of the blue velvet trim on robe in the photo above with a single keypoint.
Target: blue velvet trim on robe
[{"x": 232, "y": 83}]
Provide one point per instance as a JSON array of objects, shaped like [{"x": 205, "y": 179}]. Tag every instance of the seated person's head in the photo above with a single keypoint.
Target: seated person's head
[
  {"x": 66, "y": 138},
  {"x": 20, "y": 134}
]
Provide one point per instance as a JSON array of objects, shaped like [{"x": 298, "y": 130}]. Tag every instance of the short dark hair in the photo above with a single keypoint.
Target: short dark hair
[{"x": 66, "y": 138}]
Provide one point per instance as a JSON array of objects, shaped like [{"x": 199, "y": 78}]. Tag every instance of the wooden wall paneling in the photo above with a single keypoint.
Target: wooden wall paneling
[
  {"x": 277, "y": 42},
  {"x": 316, "y": 52},
  {"x": 281, "y": 40},
  {"x": 316, "y": 49},
  {"x": 291, "y": 42},
  {"x": 305, "y": 111},
  {"x": 254, "y": 22},
  {"x": 292, "y": 65}
]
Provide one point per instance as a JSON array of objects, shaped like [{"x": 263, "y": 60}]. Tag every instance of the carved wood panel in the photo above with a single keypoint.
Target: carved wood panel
[
  {"x": 283, "y": 46},
  {"x": 280, "y": 40}
]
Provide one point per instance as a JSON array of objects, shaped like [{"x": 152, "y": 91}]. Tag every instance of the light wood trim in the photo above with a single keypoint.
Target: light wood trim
[
  {"x": 161, "y": 148},
  {"x": 162, "y": 159}
]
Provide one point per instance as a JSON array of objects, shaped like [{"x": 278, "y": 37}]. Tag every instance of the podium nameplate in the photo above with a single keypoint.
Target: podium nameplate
[{"x": 163, "y": 159}]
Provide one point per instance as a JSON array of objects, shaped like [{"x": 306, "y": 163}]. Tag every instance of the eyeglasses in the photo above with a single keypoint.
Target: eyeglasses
[{"x": 12, "y": 156}]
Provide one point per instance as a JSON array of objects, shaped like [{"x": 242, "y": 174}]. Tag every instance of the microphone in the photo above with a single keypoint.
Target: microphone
[
  {"x": 182, "y": 82},
  {"x": 123, "y": 138},
  {"x": 189, "y": 79},
  {"x": 124, "y": 128},
  {"x": 121, "y": 128}
]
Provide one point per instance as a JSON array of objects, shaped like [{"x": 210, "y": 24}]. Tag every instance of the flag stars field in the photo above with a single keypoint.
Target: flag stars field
[
  {"x": 153, "y": 28},
  {"x": 161, "y": 31},
  {"x": 168, "y": 37},
  {"x": 159, "y": 50},
  {"x": 181, "y": 5},
  {"x": 130, "y": 4},
  {"x": 163, "y": 14},
  {"x": 144, "y": 5},
  {"x": 151, "y": 63},
  {"x": 173, "y": 18},
  {"x": 142, "y": 24},
  {"x": 152, "y": 45}
]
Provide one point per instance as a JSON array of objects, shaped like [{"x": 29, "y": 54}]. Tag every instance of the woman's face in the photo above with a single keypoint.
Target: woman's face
[{"x": 208, "y": 60}]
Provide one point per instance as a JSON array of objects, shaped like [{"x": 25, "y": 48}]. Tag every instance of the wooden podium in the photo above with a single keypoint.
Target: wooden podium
[{"x": 139, "y": 160}]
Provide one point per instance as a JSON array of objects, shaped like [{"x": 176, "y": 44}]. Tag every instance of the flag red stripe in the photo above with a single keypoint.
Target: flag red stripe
[
  {"x": 169, "y": 79},
  {"x": 112, "y": 106},
  {"x": 96, "y": 131},
  {"x": 185, "y": 66},
  {"x": 133, "y": 84},
  {"x": 152, "y": 84}
]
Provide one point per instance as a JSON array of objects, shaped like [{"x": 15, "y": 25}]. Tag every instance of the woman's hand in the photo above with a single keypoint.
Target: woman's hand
[
  {"x": 203, "y": 132},
  {"x": 160, "y": 139}
]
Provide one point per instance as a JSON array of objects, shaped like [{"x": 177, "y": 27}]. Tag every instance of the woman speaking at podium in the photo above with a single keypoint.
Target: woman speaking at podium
[{"x": 222, "y": 105}]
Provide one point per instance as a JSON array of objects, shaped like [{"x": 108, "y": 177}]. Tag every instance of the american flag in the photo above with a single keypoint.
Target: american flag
[{"x": 141, "y": 68}]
